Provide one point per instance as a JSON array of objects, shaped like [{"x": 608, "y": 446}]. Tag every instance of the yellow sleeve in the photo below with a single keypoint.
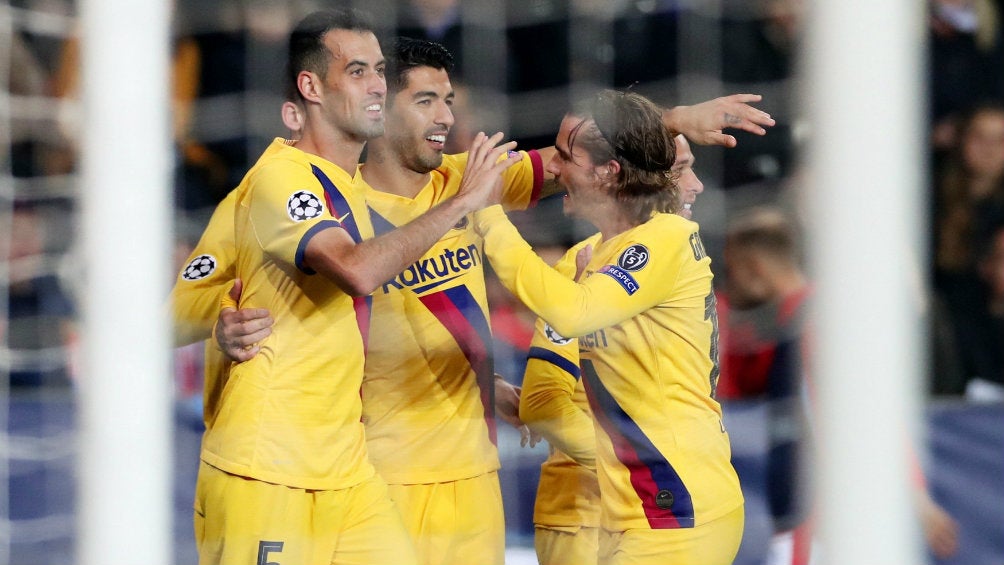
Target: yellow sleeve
[
  {"x": 206, "y": 277},
  {"x": 547, "y": 403},
  {"x": 522, "y": 183},
  {"x": 611, "y": 295}
]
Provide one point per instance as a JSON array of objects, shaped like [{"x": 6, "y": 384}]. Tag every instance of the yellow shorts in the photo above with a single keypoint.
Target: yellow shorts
[
  {"x": 456, "y": 522},
  {"x": 241, "y": 521},
  {"x": 714, "y": 543},
  {"x": 561, "y": 545}
]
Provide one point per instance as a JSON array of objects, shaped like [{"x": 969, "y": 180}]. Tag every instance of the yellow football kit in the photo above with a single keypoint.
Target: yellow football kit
[
  {"x": 428, "y": 393},
  {"x": 645, "y": 318},
  {"x": 203, "y": 281},
  {"x": 566, "y": 513},
  {"x": 289, "y": 418}
]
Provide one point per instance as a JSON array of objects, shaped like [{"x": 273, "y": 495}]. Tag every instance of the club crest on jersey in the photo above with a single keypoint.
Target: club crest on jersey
[
  {"x": 304, "y": 205},
  {"x": 553, "y": 336},
  {"x": 633, "y": 258},
  {"x": 199, "y": 268}
]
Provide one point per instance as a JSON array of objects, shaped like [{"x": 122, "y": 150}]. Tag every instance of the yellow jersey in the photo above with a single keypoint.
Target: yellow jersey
[
  {"x": 291, "y": 415},
  {"x": 647, "y": 332},
  {"x": 428, "y": 392}
]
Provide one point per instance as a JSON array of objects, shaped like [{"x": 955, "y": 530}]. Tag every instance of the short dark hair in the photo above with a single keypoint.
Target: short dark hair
[
  {"x": 628, "y": 128},
  {"x": 767, "y": 229},
  {"x": 307, "y": 51},
  {"x": 408, "y": 54}
]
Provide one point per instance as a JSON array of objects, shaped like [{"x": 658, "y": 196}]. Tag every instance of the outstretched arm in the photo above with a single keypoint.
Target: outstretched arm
[
  {"x": 700, "y": 123},
  {"x": 360, "y": 268},
  {"x": 703, "y": 123}
]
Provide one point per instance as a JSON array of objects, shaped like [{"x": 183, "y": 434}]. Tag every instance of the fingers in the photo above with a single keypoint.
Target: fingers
[
  {"x": 241, "y": 355},
  {"x": 751, "y": 124},
  {"x": 238, "y": 332},
  {"x": 247, "y": 326},
  {"x": 235, "y": 291},
  {"x": 744, "y": 98},
  {"x": 529, "y": 437},
  {"x": 485, "y": 149},
  {"x": 737, "y": 113},
  {"x": 535, "y": 438},
  {"x": 719, "y": 138}
]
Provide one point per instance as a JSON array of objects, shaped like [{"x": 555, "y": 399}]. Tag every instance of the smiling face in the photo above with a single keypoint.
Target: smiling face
[
  {"x": 686, "y": 179},
  {"x": 354, "y": 85},
  {"x": 575, "y": 172},
  {"x": 420, "y": 118}
]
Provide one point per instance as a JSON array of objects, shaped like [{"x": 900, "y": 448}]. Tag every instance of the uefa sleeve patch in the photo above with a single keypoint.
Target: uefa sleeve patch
[
  {"x": 554, "y": 337},
  {"x": 304, "y": 205},
  {"x": 633, "y": 258},
  {"x": 622, "y": 277},
  {"x": 199, "y": 268}
]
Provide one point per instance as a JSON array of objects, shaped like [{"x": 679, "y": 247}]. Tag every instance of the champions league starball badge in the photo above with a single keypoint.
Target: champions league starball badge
[
  {"x": 553, "y": 336},
  {"x": 199, "y": 268},
  {"x": 304, "y": 205}
]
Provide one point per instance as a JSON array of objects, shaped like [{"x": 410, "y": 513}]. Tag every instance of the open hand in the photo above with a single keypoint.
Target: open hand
[
  {"x": 703, "y": 123},
  {"x": 507, "y": 408},
  {"x": 481, "y": 185}
]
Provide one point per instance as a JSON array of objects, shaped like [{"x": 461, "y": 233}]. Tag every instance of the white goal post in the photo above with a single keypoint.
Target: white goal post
[
  {"x": 865, "y": 99},
  {"x": 125, "y": 460}
]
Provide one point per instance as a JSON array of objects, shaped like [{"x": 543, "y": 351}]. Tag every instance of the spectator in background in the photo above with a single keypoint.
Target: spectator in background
[
  {"x": 979, "y": 322},
  {"x": 966, "y": 51},
  {"x": 241, "y": 54},
  {"x": 969, "y": 194},
  {"x": 186, "y": 62},
  {"x": 764, "y": 50},
  {"x": 25, "y": 75},
  {"x": 764, "y": 328},
  {"x": 40, "y": 329}
]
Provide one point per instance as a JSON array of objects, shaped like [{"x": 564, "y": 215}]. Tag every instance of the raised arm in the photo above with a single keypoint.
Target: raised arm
[
  {"x": 703, "y": 123},
  {"x": 360, "y": 268},
  {"x": 574, "y": 308}
]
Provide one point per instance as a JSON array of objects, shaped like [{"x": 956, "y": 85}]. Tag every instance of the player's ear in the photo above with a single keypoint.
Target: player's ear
[
  {"x": 292, "y": 118},
  {"x": 609, "y": 170},
  {"x": 309, "y": 85}
]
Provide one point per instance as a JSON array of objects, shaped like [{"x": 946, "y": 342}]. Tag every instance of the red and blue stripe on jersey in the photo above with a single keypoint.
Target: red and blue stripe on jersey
[
  {"x": 650, "y": 473},
  {"x": 459, "y": 312},
  {"x": 339, "y": 209}
]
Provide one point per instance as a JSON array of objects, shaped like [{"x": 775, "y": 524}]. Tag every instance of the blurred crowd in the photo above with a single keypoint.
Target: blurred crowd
[{"x": 520, "y": 63}]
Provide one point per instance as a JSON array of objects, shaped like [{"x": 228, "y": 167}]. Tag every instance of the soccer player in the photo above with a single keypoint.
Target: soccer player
[
  {"x": 285, "y": 475},
  {"x": 554, "y": 405},
  {"x": 643, "y": 309},
  {"x": 449, "y": 388},
  {"x": 429, "y": 394},
  {"x": 209, "y": 269}
]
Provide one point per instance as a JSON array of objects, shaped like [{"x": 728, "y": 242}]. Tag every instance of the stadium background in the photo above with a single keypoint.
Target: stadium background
[{"x": 520, "y": 64}]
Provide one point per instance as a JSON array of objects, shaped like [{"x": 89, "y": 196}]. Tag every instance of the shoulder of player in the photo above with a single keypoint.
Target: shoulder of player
[
  {"x": 295, "y": 170},
  {"x": 453, "y": 164}
]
